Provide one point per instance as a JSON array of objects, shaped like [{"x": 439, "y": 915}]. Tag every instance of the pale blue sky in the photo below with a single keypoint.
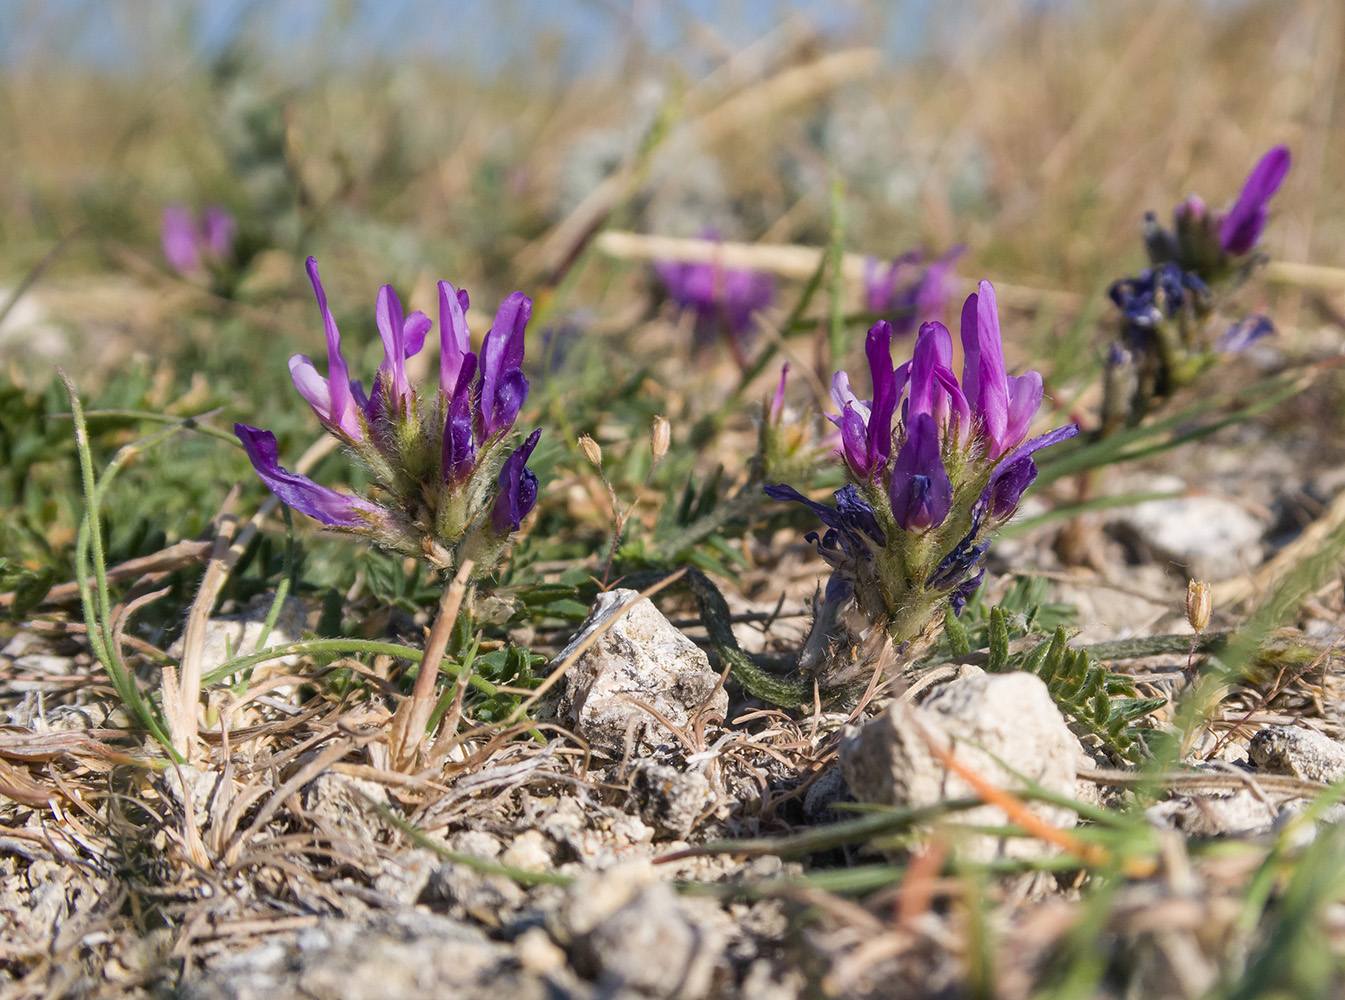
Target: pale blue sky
[{"x": 483, "y": 34}]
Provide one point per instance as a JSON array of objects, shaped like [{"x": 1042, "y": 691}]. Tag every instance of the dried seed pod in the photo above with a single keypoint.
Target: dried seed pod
[
  {"x": 660, "y": 437},
  {"x": 592, "y": 450},
  {"x": 1199, "y": 604}
]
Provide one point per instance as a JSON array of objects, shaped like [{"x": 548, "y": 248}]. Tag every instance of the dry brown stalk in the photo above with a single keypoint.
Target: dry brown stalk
[
  {"x": 794, "y": 261},
  {"x": 406, "y": 733}
]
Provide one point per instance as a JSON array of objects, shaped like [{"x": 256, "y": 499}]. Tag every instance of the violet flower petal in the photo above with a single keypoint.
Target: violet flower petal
[
  {"x": 455, "y": 342},
  {"x": 933, "y": 350},
  {"x": 392, "y": 372},
  {"x": 1007, "y": 485},
  {"x": 1024, "y": 400},
  {"x": 1245, "y": 221},
  {"x": 921, "y": 492},
  {"x": 1039, "y": 442},
  {"x": 518, "y": 488},
  {"x": 1245, "y": 332},
  {"x": 299, "y": 492},
  {"x": 855, "y": 441},
  {"x": 459, "y": 452},
  {"x": 842, "y": 395},
  {"x": 342, "y": 414},
  {"x": 178, "y": 236},
  {"x": 501, "y": 351},
  {"x": 878, "y": 349},
  {"x": 992, "y": 380}
]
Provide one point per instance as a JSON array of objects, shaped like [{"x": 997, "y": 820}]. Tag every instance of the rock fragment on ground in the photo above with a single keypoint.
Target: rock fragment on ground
[
  {"x": 986, "y": 718},
  {"x": 627, "y": 930},
  {"x": 669, "y": 799},
  {"x": 640, "y": 660},
  {"x": 1209, "y": 537},
  {"x": 1300, "y": 753},
  {"x": 398, "y": 955},
  {"x": 1243, "y": 813}
]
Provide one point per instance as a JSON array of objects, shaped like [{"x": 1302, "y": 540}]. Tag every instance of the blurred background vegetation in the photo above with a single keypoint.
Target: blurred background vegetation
[{"x": 488, "y": 143}]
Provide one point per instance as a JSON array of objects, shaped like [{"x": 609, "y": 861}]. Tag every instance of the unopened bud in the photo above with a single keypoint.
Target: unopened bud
[
  {"x": 1199, "y": 603},
  {"x": 660, "y": 437},
  {"x": 592, "y": 451}
]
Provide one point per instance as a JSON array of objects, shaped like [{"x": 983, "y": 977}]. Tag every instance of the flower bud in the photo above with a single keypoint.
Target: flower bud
[
  {"x": 1199, "y": 603},
  {"x": 660, "y": 437},
  {"x": 592, "y": 451}
]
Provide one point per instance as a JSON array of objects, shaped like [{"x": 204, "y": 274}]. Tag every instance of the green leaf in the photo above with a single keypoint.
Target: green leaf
[{"x": 999, "y": 642}]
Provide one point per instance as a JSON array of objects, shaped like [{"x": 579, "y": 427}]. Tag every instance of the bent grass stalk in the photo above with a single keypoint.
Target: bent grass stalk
[{"x": 95, "y": 600}]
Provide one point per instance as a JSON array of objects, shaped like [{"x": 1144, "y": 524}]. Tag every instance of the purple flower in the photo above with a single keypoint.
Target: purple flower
[
  {"x": 339, "y": 403},
  {"x": 333, "y": 509},
  {"x": 518, "y": 488},
  {"x": 881, "y": 289},
  {"x": 1245, "y": 332},
  {"x": 402, "y": 339},
  {"x": 1246, "y": 220},
  {"x": 910, "y": 293},
  {"x": 724, "y": 296},
  {"x": 921, "y": 492},
  {"x": 455, "y": 341},
  {"x": 442, "y": 470},
  {"x": 1017, "y": 472},
  {"x": 1004, "y": 405},
  {"x": 503, "y": 387},
  {"x": 190, "y": 245}
]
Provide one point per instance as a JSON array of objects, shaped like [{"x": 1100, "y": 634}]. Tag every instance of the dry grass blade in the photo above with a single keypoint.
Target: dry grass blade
[
  {"x": 16, "y": 784},
  {"x": 175, "y": 556},
  {"x": 182, "y": 706},
  {"x": 301, "y": 777}
]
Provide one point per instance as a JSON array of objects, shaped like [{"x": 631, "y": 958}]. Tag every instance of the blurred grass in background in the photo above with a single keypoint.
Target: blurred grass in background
[{"x": 409, "y": 142}]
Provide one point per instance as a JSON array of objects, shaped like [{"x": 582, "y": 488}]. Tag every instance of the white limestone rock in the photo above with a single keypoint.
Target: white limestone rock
[
  {"x": 986, "y": 718},
  {"x": 641, "y": 660}
]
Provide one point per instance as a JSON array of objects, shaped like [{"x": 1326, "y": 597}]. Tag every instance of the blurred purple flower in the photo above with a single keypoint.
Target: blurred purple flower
[
  {"x": 1245, "y": 221},
  {"x": 1244, "y": 333},
  {"x": 190, "y": 245},
  {"x": 726, "y": 297},
  {"x": 908, "y": 291}
]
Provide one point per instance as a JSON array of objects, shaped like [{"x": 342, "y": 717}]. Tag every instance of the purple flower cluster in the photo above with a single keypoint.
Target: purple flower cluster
[
  {"x": 438, "y": 460},
  {"x": 907, "y": 288},
  {"x": 983, "y": 421},
  {"x": 936, "y": 465},
  {"x": 192, "y": 245},
  {"x": 721, "y": 297},
  {"x": 1168, "y": 309},
  {"x": 1210, "y": 243}
]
